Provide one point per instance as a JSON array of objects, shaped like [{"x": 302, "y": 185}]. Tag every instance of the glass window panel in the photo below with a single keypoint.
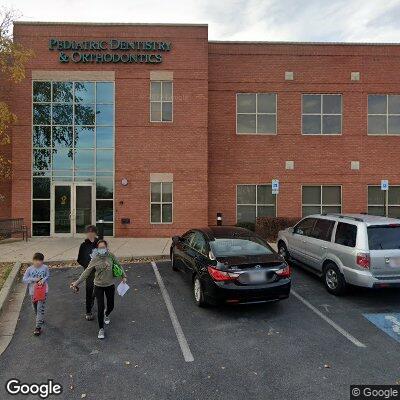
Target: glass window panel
[
  {"x": 41, "y": 114},
  {"x": 332, "y": 209},
  {"x": 331, "y": 124},
  {"x": 65, "y": 175},
  {"x": 84, "y": 160},
  {"x": 155, "y": 111},
  {"x": 265, "y": 211},
  {"x": 394, "y": 104},
  {"x": 63, "y": 136},
  {"x": 377, "y": 104},
  {"x": 156, "y": 213},
  {"x": 84, "y": 137},
  {"x": 105, "y": 114},
  {"x": 41, "y": 229},
  {"x": 167, "y": 192},
  {"x": 104, "y": 92},
  {"x": 311, "y": 195},
  {"x": 246, "y": 214},
  {"x": 331, "y": 195},
  {"x": 309, "y": 210},
  {"x": 246, "y": 103},
  {"x": 246, "y": 194},
  {"x": 394, "y": 124},
  {"x": 41, "y": 210},
  {"x": 167, "y": 91},
  {"x": 84, "y": 92},
  {"x": 62, "y": 114},
  {"x": 105, "y": 160},
  {"x": 62, "y": 92},
  {"x": 41, "y": 173},
  {"x": 311, "y": 104},
  {"x": 155, "y": 91},
  {"x": 108, "y": 229},
  {"x": 41, "y": 91},
  {"x": 377, "y": 124},
  {"x": 41, "y": 188},
  {"x": 376, "y": 196},
  {"x": 105, "y": 137},
  {"x": 41, "y": 160},
  {"x": 167, "y": 213},
  {"x": 311, "y": 124},
  {"x": 266, "y": 123},
  {"x": 155, "y": 192},
  {"x": 394, "y": 195},
  {"x": 167, "y": 111},
  {"x": 62, "y": 159},
  {"x": 104, "y": 187},
  {"x": 246, "y": 123},
  {"x": 332, "y": 104},
  {"x": 264, "y": 194},
  {"x": 266, "y": 103},
  {"x": 41, "y": 136},
  {"x": 84, "y": 114},
  {"x": 375, "y": 210},
  {"x": 394, "y": 212},
  {"x": 104, "y": 210},
  {"x": 84, "y": 176}
]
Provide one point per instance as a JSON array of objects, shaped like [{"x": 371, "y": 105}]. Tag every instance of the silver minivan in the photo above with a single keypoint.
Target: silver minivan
[{"x": 356, "y": 249}]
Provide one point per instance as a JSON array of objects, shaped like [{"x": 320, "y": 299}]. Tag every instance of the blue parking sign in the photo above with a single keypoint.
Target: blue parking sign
[
  {"x": 384, "y": 184},
  {"x": 275, "y": 186}
]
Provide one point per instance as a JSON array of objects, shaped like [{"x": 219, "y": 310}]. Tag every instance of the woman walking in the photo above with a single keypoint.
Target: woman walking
[{"x": 102, "y": 264}]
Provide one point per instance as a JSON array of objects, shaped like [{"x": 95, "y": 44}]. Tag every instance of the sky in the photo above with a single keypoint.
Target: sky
[{"x": 253, "y": 20}]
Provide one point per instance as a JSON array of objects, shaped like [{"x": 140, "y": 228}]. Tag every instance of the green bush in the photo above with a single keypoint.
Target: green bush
[
  {"x": 268, "y": 227},
  {"x": 248, "y": 225}
]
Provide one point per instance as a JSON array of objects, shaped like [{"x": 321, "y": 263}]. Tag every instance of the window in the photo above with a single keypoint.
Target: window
[
  {"x": 384, "y": 202},
  {"x": 321, "y": 199},
  {"x": 240, "y": 246},
  {"x": 346, "y": 234},
  {"x": 254, "y": 201},
  {"x": 305, "y": 227},
  {"x": 256, "y": 113},
  {"x": 323, "y": 229},
  {"x": 161, "y": 203},
  {"x": 384, "y": 237},
  {"x": 383, "y": 114},
  {"x": 322, "y": 114},
  {"x": 200, "y": 244},
  {"x": 160, "y": 101}
]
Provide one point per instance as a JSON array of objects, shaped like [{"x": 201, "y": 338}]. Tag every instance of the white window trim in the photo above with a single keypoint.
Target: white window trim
[
  {"x": 161, "y": 203},
  {"x": 386, "y": 204},
  {"x": 322, "y": 114},
  {"x": 387, "y": 116},
  {"x": 321, "y": 205},
  {"x": 161, "y": 101},
  {"x": 256, "y": 114}
]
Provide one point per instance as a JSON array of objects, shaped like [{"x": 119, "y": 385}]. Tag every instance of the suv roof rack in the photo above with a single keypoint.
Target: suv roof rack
[{"x": 343, "y": 216}]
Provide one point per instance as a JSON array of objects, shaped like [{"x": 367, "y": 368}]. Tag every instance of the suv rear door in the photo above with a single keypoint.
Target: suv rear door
[
  {"x": 298, "y": 240},
  {"x": 384, "y": 249}
]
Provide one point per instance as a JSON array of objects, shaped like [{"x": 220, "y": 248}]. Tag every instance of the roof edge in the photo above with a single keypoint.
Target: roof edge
[
  {"x": 104, "y": 23},
  {"x": 304, "y": 43}
]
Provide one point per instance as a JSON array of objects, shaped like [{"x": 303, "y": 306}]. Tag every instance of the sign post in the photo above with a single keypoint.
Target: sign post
[{"x": 385, "y": 188}]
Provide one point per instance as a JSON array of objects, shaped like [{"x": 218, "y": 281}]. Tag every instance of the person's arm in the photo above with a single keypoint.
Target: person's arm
[
  {"x": 27, "y": 278},
  {"x": 85, "y": 274},
  {"x": 46, "y": 276},
  {"x": 80, "y": 255}
]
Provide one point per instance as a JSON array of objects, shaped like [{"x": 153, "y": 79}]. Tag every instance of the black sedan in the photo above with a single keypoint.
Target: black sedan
[{"x": 230, "y": 265}]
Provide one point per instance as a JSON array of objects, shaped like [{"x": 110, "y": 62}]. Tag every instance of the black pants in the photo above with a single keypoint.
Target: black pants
[
  {"x": 89, "y": 292},
  {"x": 99, "y": 292}
]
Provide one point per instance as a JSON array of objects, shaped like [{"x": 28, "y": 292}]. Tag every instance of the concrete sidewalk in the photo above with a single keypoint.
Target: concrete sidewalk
[{"x": 66, "y": 249}]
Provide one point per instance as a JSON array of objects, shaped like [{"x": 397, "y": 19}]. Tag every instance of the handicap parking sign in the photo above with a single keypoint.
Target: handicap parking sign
[
  {"x": 275, "y": 186},
  {"x": 388, "y": 323},
  {"x": 384, "y": 184}
]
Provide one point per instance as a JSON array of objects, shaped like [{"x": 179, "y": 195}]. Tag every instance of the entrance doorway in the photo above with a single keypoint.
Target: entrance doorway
[{"x": 72, "y": 208}]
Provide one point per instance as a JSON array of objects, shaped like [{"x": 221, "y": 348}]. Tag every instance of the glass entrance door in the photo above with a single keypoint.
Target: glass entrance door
[{"x": 72, "y": 208}]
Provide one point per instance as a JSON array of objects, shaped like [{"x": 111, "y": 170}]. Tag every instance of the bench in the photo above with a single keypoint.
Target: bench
[{"x": 11, "y": 226}]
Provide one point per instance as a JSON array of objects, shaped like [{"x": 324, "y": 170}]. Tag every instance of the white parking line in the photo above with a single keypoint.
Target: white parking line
[
  {"x": 328, "y": 320},
  {"x": 187, "y": 354}
]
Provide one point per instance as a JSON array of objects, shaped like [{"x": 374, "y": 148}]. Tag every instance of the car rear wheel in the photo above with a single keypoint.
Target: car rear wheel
[
  {"x": 334, "y": 280},
  {"x": 198, "y": 292},
  {"x": 173, "y": 262}
]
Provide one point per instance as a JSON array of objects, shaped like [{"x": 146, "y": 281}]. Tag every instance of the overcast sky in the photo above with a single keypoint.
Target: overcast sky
[{"x": 293, "y": 20}]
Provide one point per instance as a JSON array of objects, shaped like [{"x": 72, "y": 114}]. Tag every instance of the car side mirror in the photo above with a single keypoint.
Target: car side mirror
[{"x": 176, "y": 239}]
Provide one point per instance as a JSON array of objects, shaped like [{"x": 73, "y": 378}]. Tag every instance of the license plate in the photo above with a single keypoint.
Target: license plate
[
  {"x": 257, "y": 276},
  {"x": 394, "y": 262}
]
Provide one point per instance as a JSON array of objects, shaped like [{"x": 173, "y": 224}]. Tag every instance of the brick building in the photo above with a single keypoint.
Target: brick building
[{"x": 154, "y": 129}]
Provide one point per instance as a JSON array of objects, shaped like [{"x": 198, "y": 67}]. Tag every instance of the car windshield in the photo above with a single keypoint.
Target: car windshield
[
  {"x": 386, "y": 237},
  {"x": 243, "y": 246}
]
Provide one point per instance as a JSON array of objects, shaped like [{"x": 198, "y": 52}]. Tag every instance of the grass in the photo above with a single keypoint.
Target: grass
[{"x": 5, "y": 269}]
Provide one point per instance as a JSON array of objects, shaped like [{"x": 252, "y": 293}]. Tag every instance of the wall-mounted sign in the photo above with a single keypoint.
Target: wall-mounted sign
[
  {"x": 109, "y": 51},
  {"x": 275, "y": 186},
  {"x": 384, "y": 184}
]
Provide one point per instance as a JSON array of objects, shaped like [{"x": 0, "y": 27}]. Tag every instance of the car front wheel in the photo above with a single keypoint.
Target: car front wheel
[
  {"x": 334, "y": 280},
  {"x": 198, "y": 292}
]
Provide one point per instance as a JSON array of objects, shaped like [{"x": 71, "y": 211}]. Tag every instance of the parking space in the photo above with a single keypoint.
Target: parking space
[{"x": 276, "y": 350}]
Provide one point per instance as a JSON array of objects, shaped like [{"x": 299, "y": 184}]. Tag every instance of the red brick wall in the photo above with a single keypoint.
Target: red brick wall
[{"x": 235, "y": 159}]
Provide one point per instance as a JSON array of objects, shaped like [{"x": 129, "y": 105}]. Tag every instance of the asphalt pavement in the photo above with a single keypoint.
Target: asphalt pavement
[{"x": 285, "y": 350}]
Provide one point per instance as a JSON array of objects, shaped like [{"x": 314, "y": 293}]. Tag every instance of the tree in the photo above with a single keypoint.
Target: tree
[{"x": 13, "y": 58}]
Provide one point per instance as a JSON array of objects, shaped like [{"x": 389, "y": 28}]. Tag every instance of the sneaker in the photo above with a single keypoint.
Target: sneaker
[
  {"x": 101, "y": 334},
  {"x": 89, "y": 317},
  {"x": 106, "y": 319},
  {"x": 37, "y": 331}
]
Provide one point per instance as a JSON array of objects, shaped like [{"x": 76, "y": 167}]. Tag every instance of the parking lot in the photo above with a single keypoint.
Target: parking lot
[{"x": 160, "y": 345}]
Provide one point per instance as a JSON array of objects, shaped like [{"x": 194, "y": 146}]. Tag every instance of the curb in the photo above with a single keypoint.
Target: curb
[{"x": 9, "y": 284}]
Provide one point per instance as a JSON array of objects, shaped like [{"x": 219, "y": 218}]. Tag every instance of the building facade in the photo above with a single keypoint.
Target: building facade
[{"x": 154, "y": 129}]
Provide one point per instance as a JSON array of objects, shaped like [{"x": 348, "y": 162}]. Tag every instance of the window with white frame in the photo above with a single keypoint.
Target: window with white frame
[
  {"x": 322, "y": 114},
  {"x": 384, "y": 202},
  {"x": 161, "y": 101},
  {"x": 161, "y": 202},
  {"x": 254, "y": 201},
  {"x": 383, "y": 114},
  {"x": 318, "y": 199},
  {"x": 256, "y": 113}
]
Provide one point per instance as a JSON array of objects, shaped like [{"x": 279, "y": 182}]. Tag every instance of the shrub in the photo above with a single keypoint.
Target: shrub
[
  {"x": 248, "y": 225},
  {"x": 268, "y": 227}
]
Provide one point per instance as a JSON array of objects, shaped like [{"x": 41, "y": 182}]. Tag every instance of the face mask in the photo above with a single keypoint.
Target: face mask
[{"x": 102, "y": 251}]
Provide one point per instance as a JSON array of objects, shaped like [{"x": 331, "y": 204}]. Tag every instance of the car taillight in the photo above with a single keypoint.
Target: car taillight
[
  {"x": 219, "y": 275},
  {"x": 363, "y": 260},
  {"x": 284, "y": 272}
]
